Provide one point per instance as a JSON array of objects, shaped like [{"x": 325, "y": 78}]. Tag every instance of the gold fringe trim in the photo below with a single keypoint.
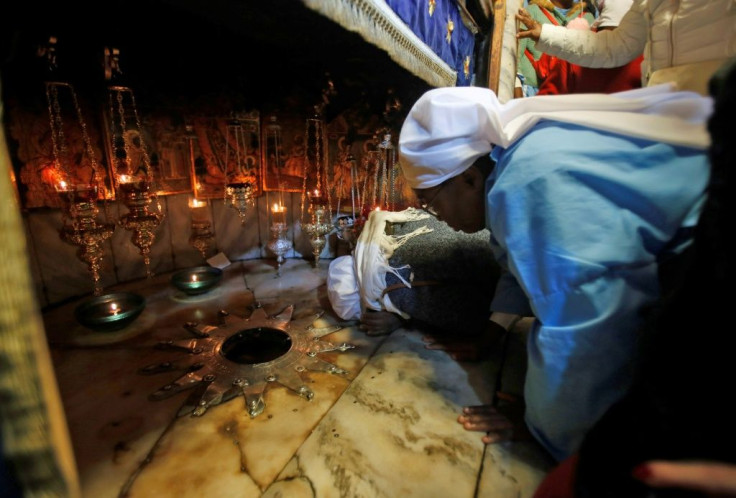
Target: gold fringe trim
[{"x": 379, "y": 25}]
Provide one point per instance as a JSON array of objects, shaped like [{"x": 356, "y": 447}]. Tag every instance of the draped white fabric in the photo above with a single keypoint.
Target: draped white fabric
[{"x": 447, "y": 129}]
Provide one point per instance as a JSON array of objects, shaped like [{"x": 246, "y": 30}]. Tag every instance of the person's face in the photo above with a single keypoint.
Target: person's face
[{"x": 459, "y": 201}]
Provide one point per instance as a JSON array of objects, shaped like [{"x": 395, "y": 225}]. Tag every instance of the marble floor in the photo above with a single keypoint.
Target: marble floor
[{"x": 344, "y": 415}]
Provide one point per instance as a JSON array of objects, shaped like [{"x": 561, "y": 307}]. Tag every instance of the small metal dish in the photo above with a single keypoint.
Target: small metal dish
[
  {"x": 197, "y": 280},
  {"x": 110, "y": 312}
]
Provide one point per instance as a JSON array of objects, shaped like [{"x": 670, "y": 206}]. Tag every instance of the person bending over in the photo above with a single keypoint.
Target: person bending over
[
  {"x": 583, "y": 196},
  {"x": 410, "y": 269}
]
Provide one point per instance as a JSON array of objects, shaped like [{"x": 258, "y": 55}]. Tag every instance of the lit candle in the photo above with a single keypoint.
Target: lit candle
[
  {"x": 315, "y": 197},
  {"x": 114, "y": 308},
  {"x": 194, "y": 278},
  {"x": 199, "y": 210},
  {"x": 133, "y": 184},
  {"x": 278, "y": 212},
  {"x": 77, "y": 193}
]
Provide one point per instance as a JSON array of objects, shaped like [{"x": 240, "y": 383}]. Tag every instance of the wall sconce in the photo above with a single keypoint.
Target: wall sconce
[{"x": 202, "y": 236}]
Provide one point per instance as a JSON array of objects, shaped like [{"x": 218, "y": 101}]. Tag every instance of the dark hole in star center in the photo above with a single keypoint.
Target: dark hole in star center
[{"x": 257, "y": 345}]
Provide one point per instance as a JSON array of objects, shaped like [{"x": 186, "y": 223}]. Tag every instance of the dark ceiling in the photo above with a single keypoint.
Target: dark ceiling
[{"x": 268, "y": 55}]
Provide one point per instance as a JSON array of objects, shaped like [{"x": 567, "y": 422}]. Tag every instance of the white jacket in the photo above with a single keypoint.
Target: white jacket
[{"x": 696, "y": 36}]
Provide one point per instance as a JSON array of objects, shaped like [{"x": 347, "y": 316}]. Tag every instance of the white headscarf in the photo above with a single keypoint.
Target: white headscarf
[
  {"x": 447, "y": 129},
  {"x": 445, "y": 132}
]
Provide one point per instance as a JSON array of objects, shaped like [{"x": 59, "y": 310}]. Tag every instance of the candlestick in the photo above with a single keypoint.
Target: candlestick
[
  {"x": 279, "y": 243},
  {"x": 82, "y": 228},
  {"x": 110, "y": 312},
  {"x": 316, "y": 197},
  {"x": 239, "y": 196},
  {"x": 202, "y": 236},
  {"x": 140, "y": 219},
  {"x": 278, "y": 214},
  {"x": 317, "y": 229},
  {"x": 199, "y": 210},
  {"x": 197, "y": 280},
  {"x": 133, "y": 184},
  {"x": 77, "y": 193}
]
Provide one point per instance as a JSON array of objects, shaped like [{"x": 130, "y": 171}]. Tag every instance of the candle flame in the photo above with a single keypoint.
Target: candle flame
[
  {"x": 194, "y": 278},
  {"x": 114, "y": 308}
]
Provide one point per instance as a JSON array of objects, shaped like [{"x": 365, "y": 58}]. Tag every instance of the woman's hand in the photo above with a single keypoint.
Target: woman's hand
[
  {"x": 715, "y": 479},
  {"x": 534, "y": 28},
  {"x": 503, "y": 422},
  {"x": 380, "y": 322}
]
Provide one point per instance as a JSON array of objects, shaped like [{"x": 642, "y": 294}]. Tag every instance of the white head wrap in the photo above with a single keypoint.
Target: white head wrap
[
  {"x": 448, "y": 128},
  {"x": 444, "y": 133},
  {"x": 611, "y": 12}
]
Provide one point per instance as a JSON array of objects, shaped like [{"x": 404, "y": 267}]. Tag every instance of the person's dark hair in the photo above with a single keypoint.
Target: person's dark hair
[{"x": 485, "y": 164}]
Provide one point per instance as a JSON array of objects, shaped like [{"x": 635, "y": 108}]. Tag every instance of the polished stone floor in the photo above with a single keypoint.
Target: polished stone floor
[{"x": 343, "y": 414}]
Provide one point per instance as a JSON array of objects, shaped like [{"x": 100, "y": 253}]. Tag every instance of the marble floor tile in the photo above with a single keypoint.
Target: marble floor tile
[
  {"x": 393, "y": 432},
  {"x": 382, "y": 424}
]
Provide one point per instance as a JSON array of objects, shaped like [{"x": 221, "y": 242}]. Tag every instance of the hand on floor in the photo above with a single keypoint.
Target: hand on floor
[
  {"x": 500, "y": 423},
  {"x": 380, "y": 322}
]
